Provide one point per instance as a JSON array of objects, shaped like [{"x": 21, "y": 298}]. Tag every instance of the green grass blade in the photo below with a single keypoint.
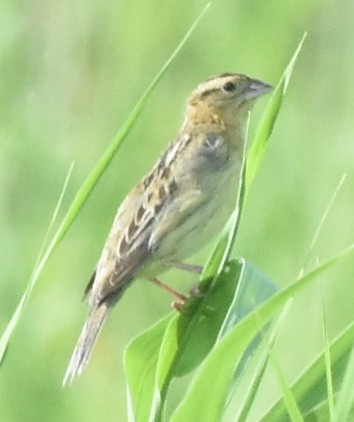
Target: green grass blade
[
  {"x": 319, "y": 413},
  {"x": 6, "y": 336},
  {"x": 321, "y": 223},
  {"x": 250, "y": 166},
  {"x": 327, "y": 358},
  {"x": 55, "y": 215},
  {"x": 95, "y": 175},
  {"x": 254, "y": 387},
  {"x": 346, "y": 394},
  {"x": 267, "y": 122},
  {"x": 310, "y": 389},
  {"x": 289, "y": 399},
  {"x": 202, "y": 402},
  {"x": 257, "y": 378},
  {"x": 88, "y": 186}
]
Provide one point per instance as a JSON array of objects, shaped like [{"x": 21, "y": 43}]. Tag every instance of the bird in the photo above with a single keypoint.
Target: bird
[{"x": 178, "y": 206}]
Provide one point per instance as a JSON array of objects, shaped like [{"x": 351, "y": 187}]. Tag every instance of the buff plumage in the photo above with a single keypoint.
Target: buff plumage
[{"x": 179, "y": 206}]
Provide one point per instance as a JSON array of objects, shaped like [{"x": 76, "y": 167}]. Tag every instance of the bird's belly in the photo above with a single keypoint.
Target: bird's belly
[{"x": 198, "y": 228}]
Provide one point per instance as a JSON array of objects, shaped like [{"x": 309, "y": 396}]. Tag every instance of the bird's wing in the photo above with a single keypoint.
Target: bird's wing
[
  {"x": 127, "y": 250},
  {"x": 124, "y": 252}
]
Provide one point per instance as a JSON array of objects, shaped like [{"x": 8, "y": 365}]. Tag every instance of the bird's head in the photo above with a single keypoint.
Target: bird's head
[{"x": 229, "y": 96}]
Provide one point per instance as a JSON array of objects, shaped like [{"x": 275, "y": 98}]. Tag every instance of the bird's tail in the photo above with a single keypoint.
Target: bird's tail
[{"x": 86, "y": 342}]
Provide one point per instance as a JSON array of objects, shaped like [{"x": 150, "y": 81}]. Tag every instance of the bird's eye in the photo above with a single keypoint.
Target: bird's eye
[{"x": 229, "y": 87}]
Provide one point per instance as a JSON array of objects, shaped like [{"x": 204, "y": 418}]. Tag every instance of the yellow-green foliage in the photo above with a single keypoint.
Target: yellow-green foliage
[{"x": 70, "y": 74}]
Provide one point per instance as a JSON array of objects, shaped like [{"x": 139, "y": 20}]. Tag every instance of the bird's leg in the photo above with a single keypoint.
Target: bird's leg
[
  {"x": 195, "y": 290},
  {"x": 196, "y": 269},
  {"x": 179, "y": 296},
  {"x": 179, "y": 306}
]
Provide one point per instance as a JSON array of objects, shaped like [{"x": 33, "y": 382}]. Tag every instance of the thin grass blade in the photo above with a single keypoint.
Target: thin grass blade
[
  {"x": 321, "y": 223},
  {"x": 6, "y": 335},
  {"x": 262, "y": 365},
  {"x": 266, "y": 125},
  {"x": 327, "y": 359},
  {"x": 289, "y": 399},
  {"x": 310, "y": 389},
  {"x": 345, "y": 399}
]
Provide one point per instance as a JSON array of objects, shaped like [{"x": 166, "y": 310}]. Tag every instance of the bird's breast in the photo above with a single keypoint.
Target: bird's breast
[{"x": 207, "y": 184}]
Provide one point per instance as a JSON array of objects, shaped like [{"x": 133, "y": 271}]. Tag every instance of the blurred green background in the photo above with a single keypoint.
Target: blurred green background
[{"x": 70, "y": 73}]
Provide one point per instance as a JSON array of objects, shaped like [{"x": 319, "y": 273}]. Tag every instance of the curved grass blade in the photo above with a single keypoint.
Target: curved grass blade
[
  {"x": 6, "y": 335},
  {"x": 88, "y": 186},
  {"x": 267, "y": 122},
  {"x": 321, "y": 223},
  {"x": 289, "y": 399},
  {"x": 224, "y": 246},
  {"x": 345, "y": 399},
  {"x": 206, "y": 404},
  {"x": 310, "y": 389},
  {"x": 262, "y": 366},
  {"x": 327, "y": 359},
  {"x": 319, "y": 413}
]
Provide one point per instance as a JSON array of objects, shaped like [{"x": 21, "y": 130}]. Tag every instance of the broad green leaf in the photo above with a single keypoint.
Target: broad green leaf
[
  {"x": 196, "y": 333},
  {"x": 190, "y": 337},
  {"x": 267, "y": 122},
  {"x": 206, "y": 404},
  {"x": 253, "y": 289},
  {"x": 87, "y": 187},
  {"x": 140, "y": 361}
]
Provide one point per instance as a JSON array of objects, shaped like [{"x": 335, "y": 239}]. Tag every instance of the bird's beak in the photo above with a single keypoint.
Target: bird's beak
[{"x": 255, "y": 89}]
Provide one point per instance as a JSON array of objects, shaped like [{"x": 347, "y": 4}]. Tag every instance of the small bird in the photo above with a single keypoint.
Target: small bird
[{"x": 178, "y": 206}]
